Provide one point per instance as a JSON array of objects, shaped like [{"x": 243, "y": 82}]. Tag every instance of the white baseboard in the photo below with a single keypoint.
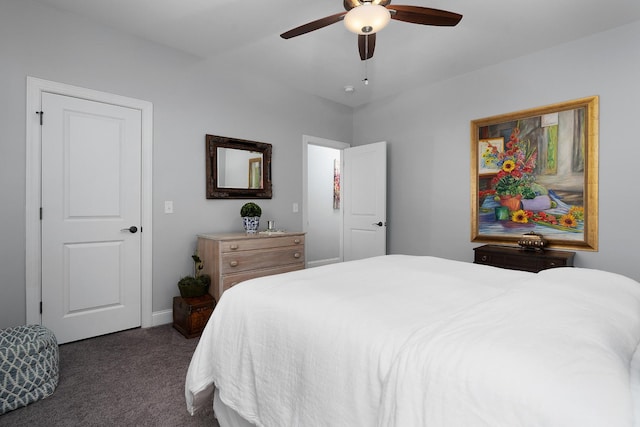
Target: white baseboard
[{"x": 161, "y": 317}]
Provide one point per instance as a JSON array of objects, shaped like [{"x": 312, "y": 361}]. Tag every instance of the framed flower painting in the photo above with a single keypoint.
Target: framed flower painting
[{"x": 537, "y": 171}]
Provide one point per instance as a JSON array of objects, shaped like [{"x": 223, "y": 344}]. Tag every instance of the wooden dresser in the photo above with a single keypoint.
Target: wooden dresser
[
  {"x": 231, "y": 258},
  {"x": 517, "y": 258}
]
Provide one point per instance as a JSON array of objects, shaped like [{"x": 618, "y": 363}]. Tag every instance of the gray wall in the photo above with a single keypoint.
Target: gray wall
[
  {"x": 428, "y": 131},
  {"x": 191, "y": 97}
]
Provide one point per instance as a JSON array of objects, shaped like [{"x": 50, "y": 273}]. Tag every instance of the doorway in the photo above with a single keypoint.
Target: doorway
[
  {"x": 351, "y": 224},
  {"x": 74, "y": 113},
  {"x": 322, "y": 207}
]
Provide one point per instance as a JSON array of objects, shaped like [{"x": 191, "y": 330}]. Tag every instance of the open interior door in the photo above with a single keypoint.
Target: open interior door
[{"x": 365, "y": 201}]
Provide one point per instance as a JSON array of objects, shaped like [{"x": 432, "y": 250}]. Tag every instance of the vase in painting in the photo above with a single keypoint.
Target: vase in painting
[{"x": 511, "y": 202}]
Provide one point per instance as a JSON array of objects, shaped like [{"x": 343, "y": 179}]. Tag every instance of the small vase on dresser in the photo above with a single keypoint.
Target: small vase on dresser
[
  {"x": 251, "y": 224},
  {"x": 250, "y": 213}
]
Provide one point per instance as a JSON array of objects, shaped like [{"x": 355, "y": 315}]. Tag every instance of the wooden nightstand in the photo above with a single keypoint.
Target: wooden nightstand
[{"x": 516, "y": 258}]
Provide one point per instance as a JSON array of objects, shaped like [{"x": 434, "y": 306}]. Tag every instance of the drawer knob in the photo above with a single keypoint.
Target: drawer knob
[
  {"x": 484, "y": 258},
  {"x": 233, "y": 263},
  {"x": 296, "y": 241},
  {"x": 552, "y": 263},
  {"x": 233, "y": 246},
  {"x": 296, "y": 255}
]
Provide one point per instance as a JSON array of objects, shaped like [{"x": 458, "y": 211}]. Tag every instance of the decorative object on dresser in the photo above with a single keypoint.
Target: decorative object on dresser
[
  {"x": 232, "y": 258},
  {"x": 532, "y": 241},
  {"x": 190, "y": 315},
  {"x": 196, "y": 285},
  {"x": 515, "y": 258},
  {"x": 250, "y": 213}
]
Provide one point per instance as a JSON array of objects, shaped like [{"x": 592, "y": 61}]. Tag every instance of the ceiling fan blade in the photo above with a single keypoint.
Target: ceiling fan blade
[
  {"x": 366, "y": 45},
  {"x": 314, "y": 25},
  {"x": 424, "y": 15}
]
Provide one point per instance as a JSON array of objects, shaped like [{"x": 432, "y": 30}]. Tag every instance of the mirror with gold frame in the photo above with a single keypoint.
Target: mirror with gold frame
[{"x": 237, "y": 168}]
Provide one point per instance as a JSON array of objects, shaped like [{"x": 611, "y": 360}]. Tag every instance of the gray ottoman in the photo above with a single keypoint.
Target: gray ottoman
[{"x": 28, "y": 366}]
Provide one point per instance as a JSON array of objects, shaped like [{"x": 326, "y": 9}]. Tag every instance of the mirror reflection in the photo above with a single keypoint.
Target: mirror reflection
[{"x": 239, "y": 168}]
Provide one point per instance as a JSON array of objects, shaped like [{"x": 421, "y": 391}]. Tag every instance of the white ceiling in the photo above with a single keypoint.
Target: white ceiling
[{"x": 323, "y": 62}]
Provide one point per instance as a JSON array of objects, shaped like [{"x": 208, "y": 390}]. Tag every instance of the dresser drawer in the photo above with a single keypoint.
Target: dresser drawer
[
  {"x": 250, "y": 260},
  {"x": 482, "y": 258},
  {"x": 516, "y": 262},
  {"x": 253, "y": 244},
  {"x": 229, "y": 280},
  {"x": 553, "y": 263}
]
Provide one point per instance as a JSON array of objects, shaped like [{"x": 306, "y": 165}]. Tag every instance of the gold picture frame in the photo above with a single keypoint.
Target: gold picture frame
[{"x": 542, "y": 179}]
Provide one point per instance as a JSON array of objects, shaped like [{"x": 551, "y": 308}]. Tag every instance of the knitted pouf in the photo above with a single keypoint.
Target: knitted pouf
[{"x": 28, "y": 366}]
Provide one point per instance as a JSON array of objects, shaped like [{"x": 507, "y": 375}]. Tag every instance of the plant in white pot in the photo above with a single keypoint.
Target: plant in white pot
[{"x": 250, "y": 213}]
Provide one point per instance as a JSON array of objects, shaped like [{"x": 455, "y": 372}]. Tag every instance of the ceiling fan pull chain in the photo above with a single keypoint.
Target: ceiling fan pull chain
[{"x": 366, "y": 49}]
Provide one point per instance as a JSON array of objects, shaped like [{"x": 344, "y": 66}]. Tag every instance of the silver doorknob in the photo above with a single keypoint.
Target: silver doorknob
[{"x": 131, "y": 229}]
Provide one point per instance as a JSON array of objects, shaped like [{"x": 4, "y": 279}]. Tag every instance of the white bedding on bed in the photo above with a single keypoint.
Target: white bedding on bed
[{"x": 420, "y": 341}]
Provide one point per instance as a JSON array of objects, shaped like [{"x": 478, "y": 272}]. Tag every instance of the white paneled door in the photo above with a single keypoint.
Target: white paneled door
[
  {"x": 365, "y": 201},
  {"x": 91, "y": 217}
]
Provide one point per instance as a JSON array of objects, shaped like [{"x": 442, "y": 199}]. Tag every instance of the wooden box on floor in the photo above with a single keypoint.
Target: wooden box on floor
[{"x": 190, "y": 315}]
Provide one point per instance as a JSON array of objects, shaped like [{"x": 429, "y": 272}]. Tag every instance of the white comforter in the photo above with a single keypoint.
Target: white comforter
[{"x": 404, "y": 341}]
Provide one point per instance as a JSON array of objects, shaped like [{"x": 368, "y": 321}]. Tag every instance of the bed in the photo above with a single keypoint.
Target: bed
[{"x": 401, "y": 341}]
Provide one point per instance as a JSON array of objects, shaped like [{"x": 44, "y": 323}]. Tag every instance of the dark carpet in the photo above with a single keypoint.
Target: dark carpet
[{"x": 130, "y": 378}]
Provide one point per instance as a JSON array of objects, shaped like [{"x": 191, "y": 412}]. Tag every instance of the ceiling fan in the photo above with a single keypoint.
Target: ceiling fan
[{"x": 367, "y": 17}]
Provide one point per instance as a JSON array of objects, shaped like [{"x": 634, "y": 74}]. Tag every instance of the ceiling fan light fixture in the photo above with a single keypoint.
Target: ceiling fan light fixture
[{"x": 367, "y": 19}]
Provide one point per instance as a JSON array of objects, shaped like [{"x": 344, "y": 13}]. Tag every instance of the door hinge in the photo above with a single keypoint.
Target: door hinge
[
  {"x": 40, "y": 113},
  {"x": 40, "y": 214},
  {"x": 40, "y": 307}
]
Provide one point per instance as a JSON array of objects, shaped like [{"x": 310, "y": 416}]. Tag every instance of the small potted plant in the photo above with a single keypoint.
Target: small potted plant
[
  {"x": 196, "y": 285},
  {"x": 250, "y": 213}
]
